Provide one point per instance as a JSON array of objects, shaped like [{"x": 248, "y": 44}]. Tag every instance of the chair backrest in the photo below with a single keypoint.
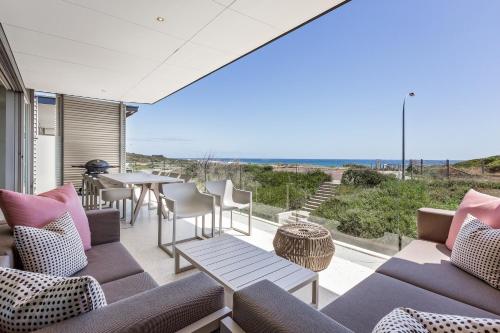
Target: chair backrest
[
  {"x": 174, "y": 175},
  {"x": 222, "y": 188},
  {"x": 180, "y": 192}
]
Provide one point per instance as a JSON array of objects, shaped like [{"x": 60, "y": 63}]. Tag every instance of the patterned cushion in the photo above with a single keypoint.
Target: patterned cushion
[
  {"x": 477, "y": 250},
  {"x": 406, "y": 320},
  {"x": 55, "y": 249},
  {"x": 441, "y": 323},
  {"x": 31, "y": 301},
  {"x": 398, "y": 320}
]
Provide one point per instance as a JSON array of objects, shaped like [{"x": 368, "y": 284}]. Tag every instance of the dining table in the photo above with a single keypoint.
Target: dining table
[{"x": 146, "y": 182}]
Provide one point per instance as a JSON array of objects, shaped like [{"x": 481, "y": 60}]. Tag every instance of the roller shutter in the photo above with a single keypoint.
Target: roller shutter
[{"x": 92, "y": 129}]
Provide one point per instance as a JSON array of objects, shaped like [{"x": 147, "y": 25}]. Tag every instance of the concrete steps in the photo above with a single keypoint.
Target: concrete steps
[{"x": 325, "y": 191}]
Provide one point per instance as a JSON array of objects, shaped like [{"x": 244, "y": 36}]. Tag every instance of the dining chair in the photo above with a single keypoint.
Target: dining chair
[
  {"x": 228, "y": 198},
  {"x": 184, "y": 200},
  {"x": 87, "y": 191},
  {"x": 111, "y": 193}
]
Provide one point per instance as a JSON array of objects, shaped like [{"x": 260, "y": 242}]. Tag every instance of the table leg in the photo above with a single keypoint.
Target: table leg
[
  {"x": 156, "y": 191},
  {"x": 144, "y": 189},
  {"x": 315, "y": 293}
]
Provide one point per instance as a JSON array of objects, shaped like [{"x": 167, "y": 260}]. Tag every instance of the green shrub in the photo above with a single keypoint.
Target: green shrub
[
  {"x": 364, "y": 177},
  {"x": 493, "y": 166}
]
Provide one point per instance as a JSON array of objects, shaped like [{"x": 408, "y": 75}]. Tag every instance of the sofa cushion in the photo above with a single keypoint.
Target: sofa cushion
[
  {"x": 265, "y": 307},
  {"x": 39, "y": 210},
  {"x": 477, "y": 251},
  {"x": 484, "y": 207},
  {"x": 427, "y": 265},
  {"x": 56, "y": 249},
  {"x": 7, "y": 247},
  {"x": 109, "y": 262},
  {"x": 361, "y": 308},
  {"x": 128, "y": 286}
]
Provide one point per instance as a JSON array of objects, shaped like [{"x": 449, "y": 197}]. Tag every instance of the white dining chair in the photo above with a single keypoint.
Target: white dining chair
[
  {"x": 228, "y": 198},
  {"x": 106, "y": 192},
  {"x": 184, "y": 200}
]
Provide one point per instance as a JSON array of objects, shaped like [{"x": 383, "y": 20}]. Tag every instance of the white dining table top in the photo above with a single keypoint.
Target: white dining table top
[{"x": 138, "y": 178}]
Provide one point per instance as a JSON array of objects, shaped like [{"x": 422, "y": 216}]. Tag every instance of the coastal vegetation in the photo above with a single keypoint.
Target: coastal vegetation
[
  {"x": 368, "y": 205},
  {"x": 491, "y": 164}
]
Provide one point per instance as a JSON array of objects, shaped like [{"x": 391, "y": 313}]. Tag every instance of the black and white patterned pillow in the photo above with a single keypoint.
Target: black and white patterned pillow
[
  {"x": 406, "y": 320},
  {"x": 31, "y": 301},
  {"x": 398, "y": 320},
  {"x": 477, "y": 250},
  {"x": 441, "y": 323},
  {"x": 55, "y": 249}
]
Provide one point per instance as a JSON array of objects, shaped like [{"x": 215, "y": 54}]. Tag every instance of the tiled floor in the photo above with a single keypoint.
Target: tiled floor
[{"x": 348, "y": 266}]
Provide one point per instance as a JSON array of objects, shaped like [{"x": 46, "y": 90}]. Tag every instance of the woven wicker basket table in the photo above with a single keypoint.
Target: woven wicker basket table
[{"x": 306, "y": 244}]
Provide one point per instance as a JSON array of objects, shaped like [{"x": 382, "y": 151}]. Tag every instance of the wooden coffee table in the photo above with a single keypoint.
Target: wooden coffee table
[{"x": 237, "y": 264}]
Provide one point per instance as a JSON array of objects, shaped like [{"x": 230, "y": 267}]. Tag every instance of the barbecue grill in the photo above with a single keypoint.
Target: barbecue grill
[{"x": 95, "y": 167}]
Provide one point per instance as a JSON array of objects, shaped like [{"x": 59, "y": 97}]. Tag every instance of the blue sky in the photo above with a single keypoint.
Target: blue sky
[{"x": 334, "y": 89}]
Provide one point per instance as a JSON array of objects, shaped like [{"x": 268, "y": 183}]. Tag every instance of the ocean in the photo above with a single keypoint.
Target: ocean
[{"x": 326, "y": 162}]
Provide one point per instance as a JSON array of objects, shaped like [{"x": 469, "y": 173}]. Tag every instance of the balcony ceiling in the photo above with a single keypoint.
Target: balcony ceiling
[{"x": 118, "y": 50}]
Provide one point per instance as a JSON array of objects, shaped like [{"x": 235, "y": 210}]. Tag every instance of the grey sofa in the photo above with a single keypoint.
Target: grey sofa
[
  {"x": 135, "y": 301},
  {"x": 420, "y": 276}
]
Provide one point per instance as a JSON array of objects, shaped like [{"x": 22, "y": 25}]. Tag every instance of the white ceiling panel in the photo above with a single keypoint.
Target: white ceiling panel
[
  {"x": 183, "y": 18},
  {"x": 234, "y": 32},
  {"x": 118, "y": 50},
  {"x": 67, "y": 21},
  {"x": 70, "y": 51},
  {"x": 76, "y": 80},
  {"x": 171, "y": 77}
]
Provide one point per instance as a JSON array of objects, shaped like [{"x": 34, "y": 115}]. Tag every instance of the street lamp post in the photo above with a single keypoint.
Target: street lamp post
[{"x": 411, "y": 94}]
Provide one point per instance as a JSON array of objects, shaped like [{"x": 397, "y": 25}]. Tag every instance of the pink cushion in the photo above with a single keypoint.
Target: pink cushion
[
  {"x": 485, "y": 207},
  {"x": 39, "y": 210}
]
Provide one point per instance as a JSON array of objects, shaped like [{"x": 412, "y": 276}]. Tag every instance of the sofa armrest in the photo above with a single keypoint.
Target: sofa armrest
[
  {"x": 164, "y": 309},
  {"x": 434, "y": 224},
  {"x": 104, "y": 226},
  {"x": 265, "y": 307}
]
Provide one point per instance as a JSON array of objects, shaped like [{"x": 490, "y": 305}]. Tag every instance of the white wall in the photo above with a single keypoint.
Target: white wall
[{"x": 46, "y": 163}]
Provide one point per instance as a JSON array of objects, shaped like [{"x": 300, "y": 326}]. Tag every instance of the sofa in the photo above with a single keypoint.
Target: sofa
[
  {"x": 135, "y": 301},
  {"x": 420, "y": 277}
]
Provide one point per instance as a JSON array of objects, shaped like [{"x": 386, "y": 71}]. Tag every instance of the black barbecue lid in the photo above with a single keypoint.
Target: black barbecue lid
[{"x": 97, "y": 164}]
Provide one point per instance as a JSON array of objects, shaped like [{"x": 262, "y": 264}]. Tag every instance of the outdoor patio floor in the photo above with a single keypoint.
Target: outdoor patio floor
[{"x": 348, "y": 266}]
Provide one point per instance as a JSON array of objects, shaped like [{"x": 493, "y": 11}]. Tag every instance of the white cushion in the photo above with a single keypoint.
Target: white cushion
[
  {"x": 398, "y": 320},
  {"x": 406, "y": 320},
  {"x": 55, "y": 249},
  {"x": 31, "y": 301},
  {"x": 477, "y": 250}
]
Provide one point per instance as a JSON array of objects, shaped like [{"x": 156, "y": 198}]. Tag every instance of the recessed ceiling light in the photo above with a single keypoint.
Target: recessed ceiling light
[{"x": 160, "y": 19}]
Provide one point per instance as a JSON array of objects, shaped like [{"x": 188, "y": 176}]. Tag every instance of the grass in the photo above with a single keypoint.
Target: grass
[{"x": 370, "y": 211}]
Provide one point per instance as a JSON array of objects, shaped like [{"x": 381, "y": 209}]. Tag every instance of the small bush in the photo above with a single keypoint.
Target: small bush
[
  {"x": 493, "y": 166},
  {"x": 364, "y": 177}
]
